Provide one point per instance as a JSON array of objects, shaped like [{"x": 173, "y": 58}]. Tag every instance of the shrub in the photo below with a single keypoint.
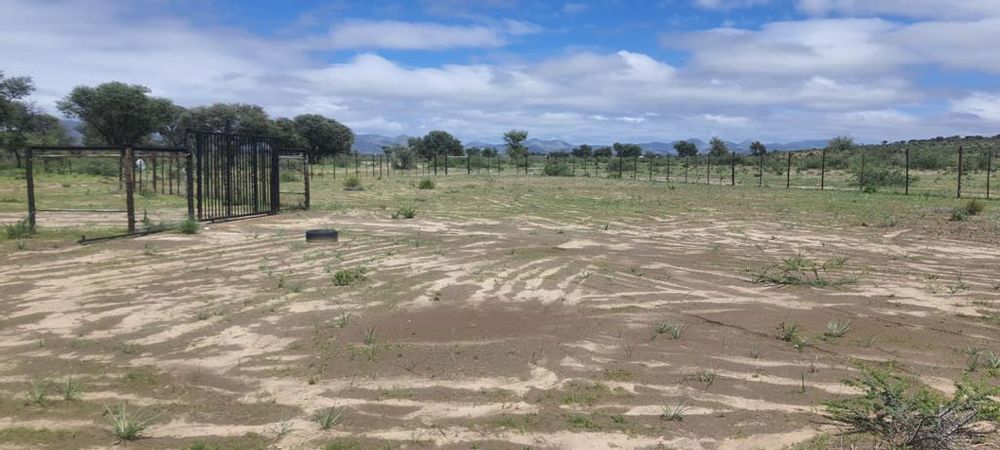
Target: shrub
[
  {"x": 875, "y": 177},
  {"x": 557, "y": 169},
  {"x": 903, "y": 415},
  {"x": 405, "y": 212},
  {"x": 970, "y": 208},
  {"x": 327, "y": 418},
  {"x": 19, "y": 230},
  {"x": 426, "y": 183},
  {"x": 189, "y": 226},
  {"x": 126, "y": 426},
  {"x": 352, "y": 183},
  {"x": 346, "y": 277}
]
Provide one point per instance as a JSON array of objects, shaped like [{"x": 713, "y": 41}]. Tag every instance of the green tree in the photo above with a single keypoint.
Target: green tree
[
  {"x": 514, "y": 141},
  {"x": 602, "y": 152},
  {"x": 173, "y": 131},
  {"x": 231, "y": 118},
  {"x": 439, "y": 143},
  {"x": 323, "y": 136},
  {"x": 116, "y": 112},
  {"x": 287, "y": 134},
  {"x": 474, "y": 151},
  {"x": 627, "y": 150},
  {"x": 757, "y": 149},
  {"x": 583, "y": 151},
  {"x": 841, "y": 143},
  {"x": 685, "y": 149},
  {"x": 717, "y": 148}
]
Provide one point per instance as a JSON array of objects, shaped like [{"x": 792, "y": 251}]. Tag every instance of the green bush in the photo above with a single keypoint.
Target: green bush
[
  {"x": 557, "y": 169},
  {"x": 426, "y": 183},
  {"x": 904, "y": 415},
  {"x": 19, "y": 230},
  {"x": 189, "y": 226},
  {"x": 346, "y": 277},
  {"x": 405, "y": 212},
  {"x": 352, "y": 183},
  {"x": 876, "y": 177},
  {"x": 968, "y": 209}
]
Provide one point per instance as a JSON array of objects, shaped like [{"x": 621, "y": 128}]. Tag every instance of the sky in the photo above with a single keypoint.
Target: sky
[{"x": 594, "y": 72}]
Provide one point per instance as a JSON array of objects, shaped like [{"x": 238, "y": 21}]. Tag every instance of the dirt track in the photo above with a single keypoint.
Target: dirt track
[{"x": 510, "y": 333}]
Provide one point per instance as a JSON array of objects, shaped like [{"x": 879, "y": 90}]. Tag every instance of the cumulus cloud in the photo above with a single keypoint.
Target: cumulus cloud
[
  {"x": 729, "y": 4},
  {"x": 788, "y": 80},
  {"x": 937, "y": 9}
]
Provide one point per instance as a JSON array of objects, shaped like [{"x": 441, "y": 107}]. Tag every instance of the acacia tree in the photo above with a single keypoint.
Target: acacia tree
[
  {"x": 757, "y": 148},
  {"x": 514, "y": 141},
  {"x": 718, "y": 148},
  {"x": 324, "y": 136},
  {"x": 116, "y": 112},
  {"x": 21, "y": 123},
  {"x": 685, "y": 149},
  {"x": 583, "y": 151},
  {"x": 602, "y": 152},
  {"x": 230, "y": 118},
  {"x": 627, "y": 150}
]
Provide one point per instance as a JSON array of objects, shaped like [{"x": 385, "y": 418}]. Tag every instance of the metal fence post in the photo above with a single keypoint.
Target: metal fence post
[
  {"x": 29, "y": 176},
  {"x": 357, "y": 165},
  {"x": 435, "y": 164},
  {"x": 446, "y": 164},
  {"x": 788, "y": 172},
  {"x": 305, "y": 179},
  {"x": 525, "y": 163},
  {"x": 189, "y": 181},
  {"x": 635, "y": 166},
  {"x": 708, "y": 170},
  {"x": 732, "y": 169},
  {"x": 907, "y": 161},
  {"x": 668, "y": 168},
  {"x": 958, "y": 193},
  {"x": 861, "y": 176},
  {"x": 822, "y": 171},
  {"x": 989, "y": 170},
  {"x": 621, "y": 163},
  {"x": 760, "y": 179}
]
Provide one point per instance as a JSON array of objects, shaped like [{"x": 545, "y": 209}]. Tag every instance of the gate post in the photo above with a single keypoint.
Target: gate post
[
  {"x": 189, "y": 179},
  {"x": 199, "y": 145},
  {"x": 275, "y": 180},
  {"x": 29, "y": 176},
  {"x": 128, "y": 169}
]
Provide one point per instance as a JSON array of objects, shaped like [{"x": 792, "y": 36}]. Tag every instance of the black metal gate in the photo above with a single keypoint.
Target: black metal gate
[{"x": 235, "y": 175}]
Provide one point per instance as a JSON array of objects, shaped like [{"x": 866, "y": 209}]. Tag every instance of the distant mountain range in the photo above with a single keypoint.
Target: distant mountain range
[{"x": 373, "y": 143}]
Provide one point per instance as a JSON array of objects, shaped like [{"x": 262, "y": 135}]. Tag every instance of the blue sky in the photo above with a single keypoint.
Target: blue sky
[{"x": 598, "y": 72}]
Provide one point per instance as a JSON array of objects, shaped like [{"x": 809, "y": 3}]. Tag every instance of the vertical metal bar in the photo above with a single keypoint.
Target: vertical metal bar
[
  {"x": 668, "y": 168},
  {"x": 861, "y": 178},
  {"x": 907, "y": 192},
  {"x": 958, "y": 193},
  {"x": 732, "y": 169},
  {"x": 199, "y": 147},
  {"x": 635, "y": 166},
  {"x": 708, "y": 173},
  {"x": 305, "y": 175},
  {"x": 989, "y": 170},
  {"x": 29, "y": 176},
  {"x": 129, "y": 175},
  {"x": 189, "y": 179},
  {"x": 446, "y": 164},
  {"x": 822, "y": 170},
  {"x": 620, "y": 164},
  {"x": 357, "y": 164},
  {"x": 760, "y": 180},
  {"x": 275, "y": 180},
  {"x": 788, "y": 172}
]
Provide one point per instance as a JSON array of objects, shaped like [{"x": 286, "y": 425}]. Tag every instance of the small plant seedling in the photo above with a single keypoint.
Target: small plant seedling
[
  {"x": 369, "y": 337},
  {"x": 675, "y": 329},
  {"x": 704, "y": 376},
  {"x": 282, "y": 429},
  {"x": 71, "y": 389},
  {"x": 405, "y": 212},
  {"x": 37, "y": 393},
  {"x": 189, "y": 226},
  {"x": 787, "y": 333},
  {"x": 347, "y": 277},
  {"x": 327, "y": 418},
  {"x": 754, "y": 351},
  {"x": 126, "y": 426},
  {"x": 673, "y": 412}
]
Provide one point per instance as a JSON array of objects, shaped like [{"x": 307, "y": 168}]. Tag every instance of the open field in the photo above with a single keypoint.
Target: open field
[{"x": 510, "y": 312}]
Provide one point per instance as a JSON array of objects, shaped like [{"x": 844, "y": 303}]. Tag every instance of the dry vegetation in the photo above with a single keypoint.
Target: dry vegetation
[{"x": 508, "y": 313}]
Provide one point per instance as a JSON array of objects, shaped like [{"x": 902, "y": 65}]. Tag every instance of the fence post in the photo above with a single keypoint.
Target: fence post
[
  {"x": 29, "y": 176},
  {"x": 635, "y": 166},
  {"x": 989, "y": 170},
  {"x": 525, "y": 163},
  {"x": 760, "y": 179},
  {"x": 822, "y": 171},
  {"x": 732, "y": 169},
  {"x": 958, "y": 193},
  {"x": 357, "y": 164},
  {"x": 708, "y": 172},
  {"x": 276, "y": 180},
  {"x": 861, "y": 176},
  {"x": 468, "y": 164},
  {"x": 305, "y": 178},
  {"x": 687, "y": 165},
  {"x": 446, "y": 164},
  {"x": 189, "y": 182},
  {"x": 128, "y": 169},
  {"x": 668, "y": 168},
  {"x": 907, "y": 162},
  {"x": 651, "y": 169},
  {"x": 621, "y": 163},
  {"x": 788, "y": 172},
  {"x": 435, "y": 164}
]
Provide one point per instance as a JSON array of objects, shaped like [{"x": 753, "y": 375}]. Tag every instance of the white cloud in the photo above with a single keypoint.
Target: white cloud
[
  {"x": 729, "y": 4},
  {"x": 934, "y": 9},
  {"x": 573, "y": 8},
  {"x": 412, "y": 36},
  {"x": 985, "y": 106}
]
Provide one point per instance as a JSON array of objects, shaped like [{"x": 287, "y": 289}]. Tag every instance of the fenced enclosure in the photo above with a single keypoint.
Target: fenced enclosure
[
  {"x": 940, "y": 171},
  {"x": 128, "y": 190}
]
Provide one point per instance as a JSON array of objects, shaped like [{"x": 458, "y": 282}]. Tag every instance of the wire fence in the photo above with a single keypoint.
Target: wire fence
[{"x": 925, "y": 171}]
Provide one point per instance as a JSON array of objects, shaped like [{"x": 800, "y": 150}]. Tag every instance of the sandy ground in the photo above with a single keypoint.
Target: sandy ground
[{"x": 493, "y": 333}]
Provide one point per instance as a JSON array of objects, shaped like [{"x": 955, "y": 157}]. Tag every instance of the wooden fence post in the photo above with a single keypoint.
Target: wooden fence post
[
  {"x": 760, "y": 179},
  {"x": 907, "y": 162},
  {"x": 989, "y": 170},
  {"x": 732, "y": 169},
  {"x": 128, "y": 173},
  {"x": 861, "y": 176},
  {"x": 822, "y": 170}
]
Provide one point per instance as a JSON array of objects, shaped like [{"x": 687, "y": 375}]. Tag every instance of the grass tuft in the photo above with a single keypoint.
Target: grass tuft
[
  {"x": 126, "y": 426},
  {"x": 426, "y": 184},
  {"x": 328, "y": 418}
]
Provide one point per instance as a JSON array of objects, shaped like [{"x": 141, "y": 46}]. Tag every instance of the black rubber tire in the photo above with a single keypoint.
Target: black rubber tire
[{"x": 321, "y": 235}]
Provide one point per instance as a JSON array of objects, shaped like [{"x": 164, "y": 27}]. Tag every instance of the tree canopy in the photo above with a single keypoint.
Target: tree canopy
[
  {"x": 627, "y": 150},
  {"x": 686, "y": 149},
  {"x": 118, "y": 113},
  {"x": 21, "y": 123},
  {"x": 602, "y": 152},
  {"x": 323, "y": 136},
  {"x": 234, "y": 118},
  {"x": 436, "y": 143},
  {"x": 583, "y": 151},
  {"x": 514, "y": 140},
  {"x": 841, "y": 143},
  {"x": 757, "y": 148},
  {"x": 717, "y": 148}
]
